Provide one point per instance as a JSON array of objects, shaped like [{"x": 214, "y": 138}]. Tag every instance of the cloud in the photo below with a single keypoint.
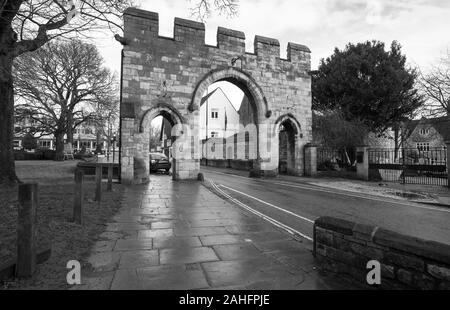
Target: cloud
[
  {"x": 374, "y": 10},
  {"x": 421, "y": 26}
]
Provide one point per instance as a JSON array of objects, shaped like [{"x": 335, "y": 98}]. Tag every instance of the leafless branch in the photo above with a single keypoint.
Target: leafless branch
[
  {"x": 202, "y": 9},
  {"x": 436, "y": 86},
  {"x": 63, "y": 85}
]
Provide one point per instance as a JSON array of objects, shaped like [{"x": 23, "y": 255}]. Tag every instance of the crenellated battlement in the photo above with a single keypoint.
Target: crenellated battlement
[
  {"x": 231, "y": 40},
  {"x": 189, "y": 31},
  {"x": 144, "y": 26},
  {"x": 141, "y": 13},
  {"x": 266, "y": 47}
]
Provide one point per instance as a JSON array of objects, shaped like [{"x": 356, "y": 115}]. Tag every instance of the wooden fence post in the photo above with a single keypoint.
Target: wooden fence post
[
  {"x": 98, "y": 182},
  {"x": 110, "y": 177},
  {"x": 26, "y": 230},
  {"x": 78, "y": 198}
]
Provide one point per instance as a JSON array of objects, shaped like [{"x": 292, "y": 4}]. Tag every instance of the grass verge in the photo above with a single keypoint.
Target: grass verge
[{"x": 69, "y": 241}]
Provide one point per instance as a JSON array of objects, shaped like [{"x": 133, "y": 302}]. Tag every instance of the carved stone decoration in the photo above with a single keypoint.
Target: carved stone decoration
[{"x": 163, "y": 90}]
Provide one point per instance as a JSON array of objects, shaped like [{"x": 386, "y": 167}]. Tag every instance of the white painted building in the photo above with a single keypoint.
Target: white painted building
[
  {"x": 218, "y": 117},
  {"x": 83, "y": 136}
]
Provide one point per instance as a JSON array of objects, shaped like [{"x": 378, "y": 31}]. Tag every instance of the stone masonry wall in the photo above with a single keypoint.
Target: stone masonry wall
[
  {"x": 345, "y": 248},
  {"x": 174, "y": 72}
]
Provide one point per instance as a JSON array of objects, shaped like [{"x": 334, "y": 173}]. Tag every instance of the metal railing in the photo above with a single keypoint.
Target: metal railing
[{"x": 426, "y": 166}]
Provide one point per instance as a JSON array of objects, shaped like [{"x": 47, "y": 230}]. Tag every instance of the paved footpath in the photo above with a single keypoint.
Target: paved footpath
[{"x": 180, "y": 235}]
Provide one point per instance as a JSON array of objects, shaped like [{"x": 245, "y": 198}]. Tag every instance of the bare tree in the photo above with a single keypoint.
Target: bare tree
[
  {"x": 59, "y": 84},
  {"x": 155, "y": 135},
  {"x": 436, "y": 86},
  {"x": 202, "y": 9},
  {"x": 27, "y": 25},
  {"x": 106, "y": 120}
]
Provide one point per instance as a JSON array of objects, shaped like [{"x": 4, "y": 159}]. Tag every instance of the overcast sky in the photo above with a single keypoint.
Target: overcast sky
[{"x": 421, "y": 26}]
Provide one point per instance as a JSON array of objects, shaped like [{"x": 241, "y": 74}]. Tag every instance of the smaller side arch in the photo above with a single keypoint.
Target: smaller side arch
[
  {"x": 289, "y": 144},
  {"x": 291, "y": 119},
  {"x": 161, "y": 108}
]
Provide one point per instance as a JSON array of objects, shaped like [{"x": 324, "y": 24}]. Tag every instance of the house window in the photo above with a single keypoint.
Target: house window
[
  {"x": 424, "y": 131},
  {"x": 214, "y": 114},
  {"x": 214, "y": 134},
  {"x": 16, "y": 143},
  {"x": 45, "y": 144},
  {"x": 423, "y": 146}
]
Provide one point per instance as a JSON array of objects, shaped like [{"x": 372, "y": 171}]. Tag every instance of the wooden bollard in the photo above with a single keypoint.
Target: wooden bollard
[
  {"x": 78, "y": 198},
  {"x": 98, "y": 183},
  {"x": 110, "y": 177},
  {"x": 26, "y": 230}
]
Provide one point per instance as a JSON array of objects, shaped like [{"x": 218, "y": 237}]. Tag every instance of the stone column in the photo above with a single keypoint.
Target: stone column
[
  {"x": 310, "y": 160},
  {"x": 362, "y": 162},
  {"x": 127, "y": 151}
]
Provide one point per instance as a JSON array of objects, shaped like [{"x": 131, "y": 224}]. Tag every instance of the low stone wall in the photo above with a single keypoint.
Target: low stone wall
[
  {"x": 407, "y": 262},
  {"x": 89, "y": 168},
  {"x": 228, "y": 163}
]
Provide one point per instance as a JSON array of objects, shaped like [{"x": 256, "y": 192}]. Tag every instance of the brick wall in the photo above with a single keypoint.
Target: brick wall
[{"x": 345, "y": 247}]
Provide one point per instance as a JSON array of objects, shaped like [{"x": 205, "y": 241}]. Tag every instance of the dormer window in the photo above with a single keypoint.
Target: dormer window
[{"x": 424, "y": 131}]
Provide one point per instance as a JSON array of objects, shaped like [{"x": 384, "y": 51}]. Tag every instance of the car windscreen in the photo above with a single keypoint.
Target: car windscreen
[{"x": 158, "y": 156}]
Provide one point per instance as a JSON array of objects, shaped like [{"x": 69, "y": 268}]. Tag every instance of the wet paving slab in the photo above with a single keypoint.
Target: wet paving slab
[{"x": 180, "y": 235}]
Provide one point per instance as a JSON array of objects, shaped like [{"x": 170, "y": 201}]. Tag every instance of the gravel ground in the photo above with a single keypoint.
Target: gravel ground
[{"x": 69, "y": 241}]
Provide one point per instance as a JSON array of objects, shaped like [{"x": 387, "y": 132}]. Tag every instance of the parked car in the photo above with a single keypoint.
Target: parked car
[{"x": 159, "y": 161}]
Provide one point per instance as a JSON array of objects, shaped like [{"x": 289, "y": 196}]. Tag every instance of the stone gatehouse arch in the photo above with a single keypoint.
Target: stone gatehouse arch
[
  {"x": 250, "y": 88},
  {"x": 241, "y": 79},
  {"x": 170, "y": 75}
]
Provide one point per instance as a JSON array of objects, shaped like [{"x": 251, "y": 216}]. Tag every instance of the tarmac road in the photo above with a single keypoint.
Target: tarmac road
[{"x": 295, "y": 206}]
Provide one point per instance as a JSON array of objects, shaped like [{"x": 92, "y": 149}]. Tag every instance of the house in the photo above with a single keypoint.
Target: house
[
  {"x": 165, "y": 138},
  {"x": 427, "y": 133},
  {"x": 23, "y": 125},
  {"x": 381, "y": 141},
  {"x": 218, "y": 117},
  {"x": 84, "y": 136}
]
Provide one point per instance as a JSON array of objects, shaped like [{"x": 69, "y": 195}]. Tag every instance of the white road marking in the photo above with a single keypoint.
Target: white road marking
[
  {"x": 408, "y": 204},
  {"x": 269, "y": 204},
  {"x": 271, "y": 220},
  {"x": 316, "y": 188}
]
